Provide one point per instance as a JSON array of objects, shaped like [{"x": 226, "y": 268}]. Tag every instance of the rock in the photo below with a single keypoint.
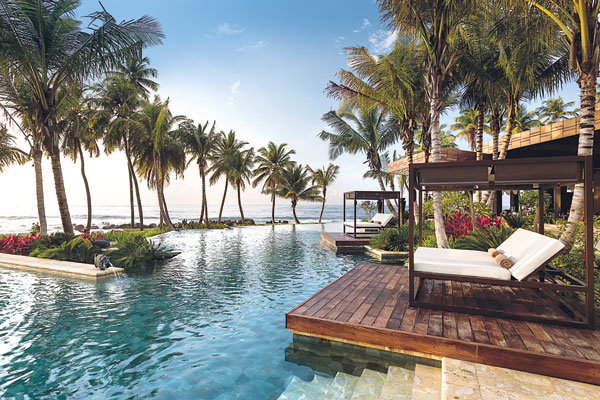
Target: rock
[
  {"x": 79, "y": 227},
  {"x": 103, "y": 244}
]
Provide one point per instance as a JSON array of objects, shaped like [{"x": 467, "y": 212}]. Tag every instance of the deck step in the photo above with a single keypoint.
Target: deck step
[
  {"x": 398, "y": 384},
  {"x": 299, "y": 389},
  {"x": 427, "y": 383},
  {"x": 369, "y": 385},
  {"x": 342, "y": 387}
]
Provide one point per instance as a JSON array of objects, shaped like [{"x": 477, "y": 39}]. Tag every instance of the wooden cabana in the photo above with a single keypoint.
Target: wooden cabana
[
  {"x": 538, "y": 174},
  {"x": 378, "y": 196}
]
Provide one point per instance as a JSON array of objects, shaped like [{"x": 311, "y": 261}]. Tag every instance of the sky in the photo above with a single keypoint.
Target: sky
[{"x": 257, "y": 67}]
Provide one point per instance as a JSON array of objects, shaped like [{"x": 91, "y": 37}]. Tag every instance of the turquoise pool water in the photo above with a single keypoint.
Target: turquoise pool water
[{"x": 209, "y": 324}]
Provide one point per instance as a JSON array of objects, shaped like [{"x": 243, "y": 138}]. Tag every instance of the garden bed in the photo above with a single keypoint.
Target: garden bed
[{"x": 68, "y": 268}]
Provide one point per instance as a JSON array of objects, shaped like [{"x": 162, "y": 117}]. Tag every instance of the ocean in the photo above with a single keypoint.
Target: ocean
[{"x": 14, "y": 220}]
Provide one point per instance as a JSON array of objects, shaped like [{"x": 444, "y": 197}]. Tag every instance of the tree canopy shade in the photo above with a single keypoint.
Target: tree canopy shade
[{"x": 43, "y": 45}]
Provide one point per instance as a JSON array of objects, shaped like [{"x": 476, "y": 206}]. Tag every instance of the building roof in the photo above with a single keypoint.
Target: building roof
[{"x": 400, "y": 167}]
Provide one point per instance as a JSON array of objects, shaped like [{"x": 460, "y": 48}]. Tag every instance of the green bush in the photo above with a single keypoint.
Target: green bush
[
  {"x": 133, "y": 250},
  {"x": 482, "y": 240},
  {"x": 51, "y": 241},
  {"x": 393, "y": 239},
  {"x": 77, "y": 250},
  {"x": 429, "y": 240},
  {"x": 515, "y": 220}
]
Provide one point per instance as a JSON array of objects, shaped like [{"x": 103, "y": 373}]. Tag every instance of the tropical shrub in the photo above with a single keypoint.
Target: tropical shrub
[
  {"x": 459, "y": 224},
  {"x": 515, "y": 220},
  {"x": 17, "y": 244},
  {"x": 483, "y": 239},
  {"x": 430, "y": 241},
  {"x": 133, "y": 250},
  {"x": 51, "y": 241},
  {"x": 393, "y": 239},
  {"x": 78, "y": 249}
]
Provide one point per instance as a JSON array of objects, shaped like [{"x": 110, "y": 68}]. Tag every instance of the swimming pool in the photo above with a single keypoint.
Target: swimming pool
[{"x": 209, "y": 324}]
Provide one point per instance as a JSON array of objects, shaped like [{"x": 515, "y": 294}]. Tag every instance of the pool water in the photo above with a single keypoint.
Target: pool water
[{"x": 209, "y": 324}]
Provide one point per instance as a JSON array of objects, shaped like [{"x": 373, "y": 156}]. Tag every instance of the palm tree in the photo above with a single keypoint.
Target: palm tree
[
  {"x": 221, "y": 160},
  {"x": 241, "y": 171},
  {"x": 525, "y": 120},
  {"x": 116, "y": 102},
  {"x": 467, "y": 126},
  {"x": 554, "y": 110},
  {"x": 369, "y": 132},
  {"x": 323, "y": 177},
  {"x": 157, "y": 149},
  {"x": 9, "y": 153},
  {"x": 43, "y": 43},
  {"x": 295, "y": 185},
  {"x": 579, "y": 23},
  {"x": 393, "y": 82},
  {"x": 436, "y": 24},
  {"x": 137, "y": 71},
  {"x": 77, "y": 136},
  {"x": 271, "y": 161},
  {"x": 200, "y": 143}
]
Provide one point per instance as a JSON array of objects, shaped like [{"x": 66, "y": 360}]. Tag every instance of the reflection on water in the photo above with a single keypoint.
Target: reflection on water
[{"x": 208, "y": 324}]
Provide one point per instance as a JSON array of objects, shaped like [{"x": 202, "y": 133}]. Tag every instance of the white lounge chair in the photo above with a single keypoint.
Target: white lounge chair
[
  {"x": 379, "y": 221},
  {"x": 528, "y": 250}
]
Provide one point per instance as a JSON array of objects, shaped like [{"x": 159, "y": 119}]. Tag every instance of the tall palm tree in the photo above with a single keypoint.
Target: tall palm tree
[
  {"x": 200, "y": 143},
  {"x": 436, "y": 24},
  {"x": 221, "y": 160},
  {"x": 579, "y": 24},
  {"x": 48, "y": 47},
  {"x": 296, "y": 185},
  {"x": 467, "y": 126},
  {"x": 137, "y": 71},
  {"x": 78, "y": 136},
  {"x": 116, "y": 102},
  {"x": 241, "y": 172},
  {"x": 554, "y": 110},
  {"x": 158, "y": 151},
  {"x": 323, "y": 177},
  {"x": 525, "y": 120},
  {"x": 9, "y": 152},
  {"x": 271, "y": 161},
  {"x": 368, "y": 132}
]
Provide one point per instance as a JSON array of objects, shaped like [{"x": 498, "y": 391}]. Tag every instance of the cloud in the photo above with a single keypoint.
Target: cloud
[
  {"x": 233, "y": 89},
  {"x": 383, "y": 41},
  {"x": 365, "y": 23},
  {"x": 250, "y": 47},
  {"x": 227, "y": 29}
]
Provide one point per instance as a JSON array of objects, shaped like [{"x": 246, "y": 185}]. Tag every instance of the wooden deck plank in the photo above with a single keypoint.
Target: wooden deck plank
[{"x": 369, "y": 306}]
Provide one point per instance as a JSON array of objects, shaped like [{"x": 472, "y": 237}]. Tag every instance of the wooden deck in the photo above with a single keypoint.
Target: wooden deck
[
  {"x": 369, "y": 306},
  {"x": 338, "y": 239}
]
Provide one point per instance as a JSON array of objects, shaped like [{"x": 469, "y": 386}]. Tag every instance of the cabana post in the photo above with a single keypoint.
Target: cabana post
[{"x": 538, "y": 174}]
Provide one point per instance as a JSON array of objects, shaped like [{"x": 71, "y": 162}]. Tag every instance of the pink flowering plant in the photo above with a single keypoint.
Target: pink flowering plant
[
  {"x": 17, "y": 244},
  {"x": 459, "y": 224}
]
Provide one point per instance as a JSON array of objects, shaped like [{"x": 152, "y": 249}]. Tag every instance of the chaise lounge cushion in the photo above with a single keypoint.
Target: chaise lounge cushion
[
  {"x": 529, "y": 250},
  {"x": 378, "y": 221},
  {"x": 459, "y": 262}
]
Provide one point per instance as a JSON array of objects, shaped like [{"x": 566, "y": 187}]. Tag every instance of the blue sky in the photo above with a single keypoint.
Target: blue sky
[{"x": 258, "y": 67}]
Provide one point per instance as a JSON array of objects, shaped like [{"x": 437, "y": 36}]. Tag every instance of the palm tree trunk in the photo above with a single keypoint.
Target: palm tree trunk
[
  {"x": 495, "y": 128},
  {"x": 164, "y": 202},
  {"x": 323, "y": 204},
  {"x": 39, "y": 190},
  {"x": 510, "y": 122},
  {"x": 273, "y": 207},
  {"x": 387, "y": 201},
  {"x": 223, "y": 201},
  {"x": 587, "y": 86},
  {"x": 88, "y": 196},
  {"x": 434, "y": 82},
  {"x": 239, "y": 196},
  {"x": 480, "y": 121},
  {"x": 137, "y": 195},
  {"x": 159, "y": 192},
  {"x": 201, "y": 169},
  {"x": 294, "y": 203},
  {"x": 61, "y": 194}
]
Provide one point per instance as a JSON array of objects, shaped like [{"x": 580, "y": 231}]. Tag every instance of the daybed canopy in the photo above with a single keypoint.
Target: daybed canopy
[
  {"x": 381, "y": 220},
  {"x": 532, "y": 251}
]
